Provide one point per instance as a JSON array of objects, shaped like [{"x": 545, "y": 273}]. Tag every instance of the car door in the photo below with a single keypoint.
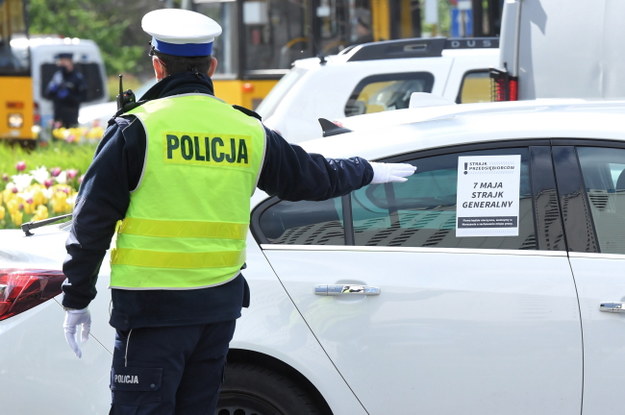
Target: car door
[
  {"x": 418, "y": 319},
  {"x": 591, "y": 178}
]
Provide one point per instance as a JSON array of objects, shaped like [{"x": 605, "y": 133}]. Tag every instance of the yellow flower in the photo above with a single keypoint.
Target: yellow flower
[
  {"x": 17, "y": 218},
  {"x": 41, "y": 213},
  {"x": 39, "y": 198},
  {"x": 95, "y": 133},
  {"x": 58, "y": 202},
  {"x": 29, "y": 206},
  {"x": 13, "y": 205},
  {"x": 9, "y": 192},
  {"x": 59, "y": 133}
]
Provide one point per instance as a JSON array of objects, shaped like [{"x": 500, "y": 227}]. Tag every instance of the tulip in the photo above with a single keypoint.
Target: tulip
[
  {"x": 21, "y": 165},
  {"x": 55, "y": 171},
  {"x": 17, "y": 218},
  {"x": 41, "y": 213}
]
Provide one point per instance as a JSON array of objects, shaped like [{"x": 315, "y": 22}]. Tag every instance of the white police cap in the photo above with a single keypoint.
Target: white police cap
[{"x": 181, "y": 32}]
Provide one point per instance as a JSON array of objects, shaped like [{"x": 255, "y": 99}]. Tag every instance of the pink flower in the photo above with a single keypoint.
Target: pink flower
[
  {"x": 21, "y": 165},
  {"x": 48, "y": 182},
  {"x": 55, "y": 171},
  {"x": 71, "y": 173},
  {"x": 5, "y": 177}
]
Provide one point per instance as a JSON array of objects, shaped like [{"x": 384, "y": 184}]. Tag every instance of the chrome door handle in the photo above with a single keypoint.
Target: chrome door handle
[
  {"x": 612, "y": 307},
  {"x": 346, "y": 289}
]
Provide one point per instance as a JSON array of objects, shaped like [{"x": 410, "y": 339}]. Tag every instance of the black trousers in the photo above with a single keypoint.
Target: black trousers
[
  {"x": 169, "y": 370},
  {"x": 66, "y": 114}
]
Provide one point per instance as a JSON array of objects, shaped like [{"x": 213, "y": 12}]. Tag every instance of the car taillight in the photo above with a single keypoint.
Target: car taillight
[
  {"x": 22, "y": 289},
  {"x": 504, "y": 86}
]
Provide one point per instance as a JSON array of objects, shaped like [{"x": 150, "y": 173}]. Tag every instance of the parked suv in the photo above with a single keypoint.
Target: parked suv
[{"x": 378, "y": 76}]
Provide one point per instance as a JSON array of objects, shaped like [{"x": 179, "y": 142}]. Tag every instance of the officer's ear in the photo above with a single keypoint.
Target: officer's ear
[
  {"x": 160, "y": 71},
  {"x": 212, "y": 67}
]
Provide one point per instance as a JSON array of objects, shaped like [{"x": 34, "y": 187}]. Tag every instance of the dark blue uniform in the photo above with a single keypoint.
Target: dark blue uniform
[
  {"x": 184, "y": 317},
  {"x": 66, "y": 89}
]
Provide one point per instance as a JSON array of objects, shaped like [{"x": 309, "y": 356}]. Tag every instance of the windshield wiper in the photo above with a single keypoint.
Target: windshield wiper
[{"x": 26, "y": 227}]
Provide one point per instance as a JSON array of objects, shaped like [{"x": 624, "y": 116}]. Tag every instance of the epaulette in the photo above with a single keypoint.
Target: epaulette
[{"x": 247, "y": 111}]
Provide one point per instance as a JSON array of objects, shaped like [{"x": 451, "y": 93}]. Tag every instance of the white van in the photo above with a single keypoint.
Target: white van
[
  {"x": 561, "y": 49},
  {"x": 87, "y": 60}
]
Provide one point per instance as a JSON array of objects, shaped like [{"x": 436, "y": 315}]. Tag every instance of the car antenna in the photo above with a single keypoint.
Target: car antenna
[
  {"x": 331, "y": 128},
  {"x": 26, "y": 227}
]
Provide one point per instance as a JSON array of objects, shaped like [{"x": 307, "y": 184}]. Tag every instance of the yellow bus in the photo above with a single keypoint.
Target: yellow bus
[
  {"x": 262, "y": 37},
  {"x": 17, "y": 109}
]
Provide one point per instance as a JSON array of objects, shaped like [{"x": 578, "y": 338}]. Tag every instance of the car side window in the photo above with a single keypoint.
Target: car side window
[
  {"x": 421, "y": 212},
  {"x": 303, "y": 223},
  {"x": 603, "y": 172},
  {"x": 476, "y": 87},
  {"x": 387, "y": 92}
]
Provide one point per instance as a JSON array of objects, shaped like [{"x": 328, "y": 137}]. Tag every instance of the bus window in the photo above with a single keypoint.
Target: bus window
[{"x": 12, "y": 29}]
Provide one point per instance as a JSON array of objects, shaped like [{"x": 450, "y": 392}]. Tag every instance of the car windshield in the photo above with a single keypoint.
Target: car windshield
[{"x": 269, "y": 104}]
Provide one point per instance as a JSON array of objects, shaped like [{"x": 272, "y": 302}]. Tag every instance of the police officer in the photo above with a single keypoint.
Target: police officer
[
  {"x": 178, "y": 172},
  {"x": 67, "y": 89}
]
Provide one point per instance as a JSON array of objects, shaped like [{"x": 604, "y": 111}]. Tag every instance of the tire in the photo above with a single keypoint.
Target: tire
[{"x": 254, "y": 390}]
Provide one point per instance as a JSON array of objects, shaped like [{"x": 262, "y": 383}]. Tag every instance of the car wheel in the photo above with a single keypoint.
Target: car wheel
[{"x": 253, "y": 390}]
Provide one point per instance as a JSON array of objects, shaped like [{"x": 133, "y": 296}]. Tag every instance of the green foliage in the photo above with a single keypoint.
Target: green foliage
[
  {"x": 106, "y": 22},
  {"x": 56, "y": 154}
]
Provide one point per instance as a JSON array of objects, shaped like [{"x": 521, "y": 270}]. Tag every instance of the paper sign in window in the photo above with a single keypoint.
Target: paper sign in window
[{"x": 488, "y": 196}]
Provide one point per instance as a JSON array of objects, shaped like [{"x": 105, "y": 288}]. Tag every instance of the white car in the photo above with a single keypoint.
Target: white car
[
  {"x": 378, "y": 76},
  {"x": 490, "y": 282},
  {"x": 99, "y": 114}
]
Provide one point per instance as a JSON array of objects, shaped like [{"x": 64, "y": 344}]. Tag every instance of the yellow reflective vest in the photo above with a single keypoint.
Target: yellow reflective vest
[{"x": 188, "y": 218}]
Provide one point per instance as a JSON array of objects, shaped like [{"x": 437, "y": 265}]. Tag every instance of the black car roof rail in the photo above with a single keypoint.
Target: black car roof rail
[{"x": 416, "y": 47}]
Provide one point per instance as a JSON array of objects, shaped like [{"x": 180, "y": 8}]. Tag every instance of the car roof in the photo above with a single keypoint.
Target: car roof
[
  {"x": 345, "y": 58},
  {"x": 402, "y": 131}
]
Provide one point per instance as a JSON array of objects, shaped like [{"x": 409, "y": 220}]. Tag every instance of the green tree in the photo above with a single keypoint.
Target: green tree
[{"x": 113, "y": 24}]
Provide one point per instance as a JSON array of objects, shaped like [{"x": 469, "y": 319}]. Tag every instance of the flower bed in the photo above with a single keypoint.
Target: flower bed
[
  {"x": 37, "y": 194},
  {"x": 40, "y": 183}
]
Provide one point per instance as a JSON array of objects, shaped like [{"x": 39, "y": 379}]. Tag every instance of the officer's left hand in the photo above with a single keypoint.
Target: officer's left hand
[
  {"x": 74, "y": 319},
  {"x": 391, "y": 172}
]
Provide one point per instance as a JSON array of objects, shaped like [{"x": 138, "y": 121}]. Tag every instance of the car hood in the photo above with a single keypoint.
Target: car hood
[{"x": 44, "y": 249}]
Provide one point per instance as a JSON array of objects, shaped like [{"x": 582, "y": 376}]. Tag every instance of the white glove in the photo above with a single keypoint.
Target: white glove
[
  {"x": 391, "y": 172},
  {"x": 74, "y": 319}
]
